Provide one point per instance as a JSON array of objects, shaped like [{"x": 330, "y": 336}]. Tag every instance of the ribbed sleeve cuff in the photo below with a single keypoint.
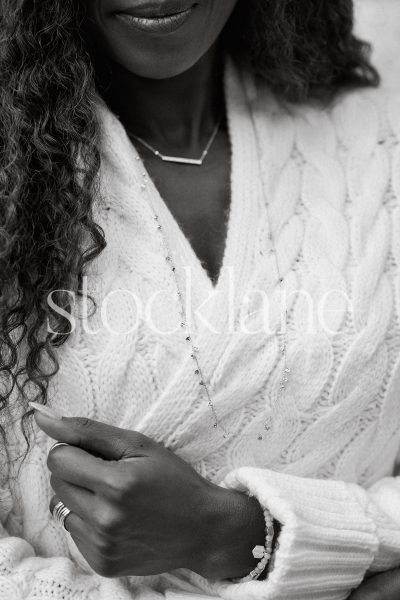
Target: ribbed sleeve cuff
[
  {"x": 383, "y": 509},
  {"x": 327, "y": 541}
]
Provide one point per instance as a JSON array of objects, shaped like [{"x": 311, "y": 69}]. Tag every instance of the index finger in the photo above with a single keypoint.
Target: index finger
[{"x": 78, "y": 467}]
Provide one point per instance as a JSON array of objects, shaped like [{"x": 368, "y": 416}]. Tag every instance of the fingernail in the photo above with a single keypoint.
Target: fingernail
[{"x": 46, "y": 411}]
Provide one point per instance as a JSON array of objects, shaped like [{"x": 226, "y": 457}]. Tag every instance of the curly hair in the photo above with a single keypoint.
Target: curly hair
[{"x": 49, "y": 155}]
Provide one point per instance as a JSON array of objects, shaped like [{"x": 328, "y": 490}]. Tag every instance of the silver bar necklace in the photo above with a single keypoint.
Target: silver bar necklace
[{"x": 181, "y": 159}]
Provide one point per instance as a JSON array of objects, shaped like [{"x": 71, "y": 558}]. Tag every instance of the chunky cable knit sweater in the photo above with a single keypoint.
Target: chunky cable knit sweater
[{"x": 325, "y": 469}]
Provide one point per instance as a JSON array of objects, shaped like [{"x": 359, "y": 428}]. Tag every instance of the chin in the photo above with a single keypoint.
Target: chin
[
  {"x": 154, "y": 55},
  {"x": 153, "y": 66},
  {"x": 158, "y": 43}
]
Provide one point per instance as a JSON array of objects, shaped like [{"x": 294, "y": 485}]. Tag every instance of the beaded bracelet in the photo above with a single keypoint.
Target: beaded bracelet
[{"x": 264, "y": 553}]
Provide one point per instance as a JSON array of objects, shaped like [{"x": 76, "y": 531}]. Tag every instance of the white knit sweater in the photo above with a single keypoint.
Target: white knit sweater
[{"x": 326, "y": 468}]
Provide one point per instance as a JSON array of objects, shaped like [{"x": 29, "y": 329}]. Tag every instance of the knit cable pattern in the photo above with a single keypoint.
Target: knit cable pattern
[{"x": 332, "y": 203}]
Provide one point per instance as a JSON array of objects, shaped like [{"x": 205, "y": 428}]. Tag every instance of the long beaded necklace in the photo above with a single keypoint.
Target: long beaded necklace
[
  {"x": 189, "y": 338},
  {"x": 282, "y": 334}
]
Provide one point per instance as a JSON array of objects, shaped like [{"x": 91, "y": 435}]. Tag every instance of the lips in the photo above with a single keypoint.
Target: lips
[{"x": 153, "y": 9}]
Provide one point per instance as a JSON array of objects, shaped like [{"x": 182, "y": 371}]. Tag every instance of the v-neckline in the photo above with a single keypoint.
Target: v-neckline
[
  {"x": 180, "y": 241},
  {"x": 222, "y": 306},
  {"x": 241, "y": 216},
  {"x": 173, "y": 229},
  {"x": 243, "y": 219}
]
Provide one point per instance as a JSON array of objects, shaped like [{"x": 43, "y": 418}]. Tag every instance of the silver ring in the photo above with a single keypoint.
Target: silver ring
[
  {"x": 60, "y": 513},
  {"x": 58, "y": 444}
]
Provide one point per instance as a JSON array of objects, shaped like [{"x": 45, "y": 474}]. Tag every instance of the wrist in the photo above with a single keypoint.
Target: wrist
[{"x": 235, "y": 524}]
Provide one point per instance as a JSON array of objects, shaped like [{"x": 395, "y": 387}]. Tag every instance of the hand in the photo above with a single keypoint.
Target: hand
[
  {"x": 138, "y": 509},
  {"x": 383, "y": 586}
]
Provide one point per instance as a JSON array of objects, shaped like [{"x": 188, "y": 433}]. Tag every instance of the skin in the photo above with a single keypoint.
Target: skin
[
  {"x": 168, "y": 90},
  {"x": 138, "y": 509},
  {"x": 154, "y": 55},
  {"x": 127, "y": 513}
]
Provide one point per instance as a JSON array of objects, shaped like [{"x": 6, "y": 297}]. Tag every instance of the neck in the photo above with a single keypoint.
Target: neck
[{"x": 179, "y": 112}]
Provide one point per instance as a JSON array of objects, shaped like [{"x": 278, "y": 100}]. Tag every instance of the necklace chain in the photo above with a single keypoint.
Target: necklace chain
[
  {"x": 193, "y": 348},
  {"x": 182, "y": 159},
  {"x": 281, "y": 335}
]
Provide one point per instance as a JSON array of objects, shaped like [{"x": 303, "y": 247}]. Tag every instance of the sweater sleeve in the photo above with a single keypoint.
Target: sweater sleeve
[
  {"x": 24, "y": 575},
  {"x": 332, "y": 534},
  {"x": 28, "y": 574}
]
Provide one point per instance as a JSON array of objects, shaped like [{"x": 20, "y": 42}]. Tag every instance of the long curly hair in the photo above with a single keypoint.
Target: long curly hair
[{"x": 49, "y": 156}]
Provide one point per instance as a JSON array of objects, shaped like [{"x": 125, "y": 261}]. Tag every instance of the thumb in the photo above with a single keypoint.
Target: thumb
[{"x": 99, "y": 439}]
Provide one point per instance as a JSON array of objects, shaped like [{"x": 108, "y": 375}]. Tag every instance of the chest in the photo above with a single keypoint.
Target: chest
[{"x": 198, "y": 197}]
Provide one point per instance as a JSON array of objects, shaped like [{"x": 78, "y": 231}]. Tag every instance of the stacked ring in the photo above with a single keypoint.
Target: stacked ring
[
  {"x": 60, "y": 513},
  {"x": 58, "y": 444}
]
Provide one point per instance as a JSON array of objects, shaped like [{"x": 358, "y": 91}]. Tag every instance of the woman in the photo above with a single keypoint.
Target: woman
[{"x": 200, "y": 280}]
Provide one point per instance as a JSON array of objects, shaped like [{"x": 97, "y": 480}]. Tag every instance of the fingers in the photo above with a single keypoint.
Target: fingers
[
  {"x": 77, "y": 467},
  {"x": 93, "y": 546},
  {"x": 73, "y": 522},
  {"x": 111, "y": 443},
  {"x": 79, "y": 500},
  {"x": 99, "y": 561}
]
